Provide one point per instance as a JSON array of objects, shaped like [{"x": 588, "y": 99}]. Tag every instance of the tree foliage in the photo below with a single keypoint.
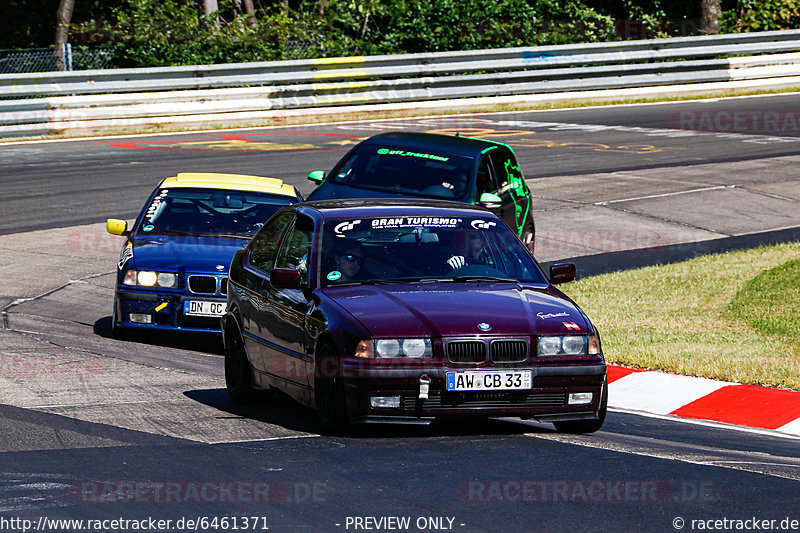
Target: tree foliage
[
  {"x": 176, "y": 32},
  {"x": 381, "y": 27},
  {"x": 761, "y": 15},
  {"x": 149, "y": 33}
]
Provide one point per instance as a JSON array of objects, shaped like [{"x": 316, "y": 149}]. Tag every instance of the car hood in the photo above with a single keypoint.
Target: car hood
[
  {"x": 185, "y": 253},
  {"x": 456, "y": 309}
]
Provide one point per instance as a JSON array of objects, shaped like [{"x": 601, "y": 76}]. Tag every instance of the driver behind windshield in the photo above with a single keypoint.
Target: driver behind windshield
[
  {"x": 212, "y": 211},
  {"x": 347, "y": 261},
  {"x": 469, "y": 249}
]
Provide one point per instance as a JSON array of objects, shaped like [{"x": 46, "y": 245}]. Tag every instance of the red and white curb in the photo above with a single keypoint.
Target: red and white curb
[{"x": 704, "y": 399}]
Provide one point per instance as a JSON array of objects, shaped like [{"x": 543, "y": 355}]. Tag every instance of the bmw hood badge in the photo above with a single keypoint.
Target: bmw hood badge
[{"x": 483, "y": 326}]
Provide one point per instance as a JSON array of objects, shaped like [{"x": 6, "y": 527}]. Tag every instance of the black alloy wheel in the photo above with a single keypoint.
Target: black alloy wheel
[{"x": 238, "y": 378}]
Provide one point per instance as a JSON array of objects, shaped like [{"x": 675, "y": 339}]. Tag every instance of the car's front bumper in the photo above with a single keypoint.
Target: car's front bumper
[
  {"x": 165, "y": 310},
  {"x": 548, "y": 399}
]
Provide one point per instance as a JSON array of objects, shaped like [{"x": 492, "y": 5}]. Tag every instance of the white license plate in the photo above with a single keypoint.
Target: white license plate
[
  {"x": 204, "y": 308},
  {"x": 489, "y": 380}
]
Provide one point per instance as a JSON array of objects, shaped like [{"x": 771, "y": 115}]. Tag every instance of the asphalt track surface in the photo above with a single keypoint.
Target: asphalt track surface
[{"x": 95, "y": 428}]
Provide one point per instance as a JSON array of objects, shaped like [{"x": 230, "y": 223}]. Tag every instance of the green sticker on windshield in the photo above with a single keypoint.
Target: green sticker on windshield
[
  {"x": 403, "y": 153},
  {"x": 335, "y": 275}
]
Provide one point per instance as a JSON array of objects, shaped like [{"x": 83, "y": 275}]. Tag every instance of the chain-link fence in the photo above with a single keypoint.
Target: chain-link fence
[
  {"x": 67, "y": 57},
  {"x": 303, "y": 49}
]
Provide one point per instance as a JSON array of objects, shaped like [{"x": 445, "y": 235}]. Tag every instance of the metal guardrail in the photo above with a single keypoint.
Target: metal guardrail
[{"x": 35, "y": 103}]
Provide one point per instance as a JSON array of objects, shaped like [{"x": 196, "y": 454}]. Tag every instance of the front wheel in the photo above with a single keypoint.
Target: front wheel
[
  {"x": 586, "y": 426},
  {"x": 238, "y": 378},
  {"x": 117, "y": 331},
  {"x": 528, "y": 236},
  {"x": 329, "y": 396}
]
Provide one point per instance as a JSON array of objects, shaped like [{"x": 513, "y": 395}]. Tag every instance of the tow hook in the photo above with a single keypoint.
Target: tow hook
[{"x": 424, "y": 386}]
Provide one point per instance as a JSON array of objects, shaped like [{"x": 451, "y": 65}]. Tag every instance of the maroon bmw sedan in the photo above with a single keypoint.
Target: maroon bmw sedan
[{"x": 405, "y": 311}]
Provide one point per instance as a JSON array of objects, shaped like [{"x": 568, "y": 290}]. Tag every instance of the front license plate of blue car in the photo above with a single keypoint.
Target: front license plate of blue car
[
  {"x": 204, "y": 308},
  {"x": 489, "y": 380}
]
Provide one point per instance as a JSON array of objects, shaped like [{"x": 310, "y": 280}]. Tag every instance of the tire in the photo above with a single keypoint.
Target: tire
[
  {"x": 117, "y": 331},
  {"x": 528, "y": 236},
  {"x": 238, "y": 378},
  {"x": 586, "y": 426},
  {"x": 329, "y": 398}
]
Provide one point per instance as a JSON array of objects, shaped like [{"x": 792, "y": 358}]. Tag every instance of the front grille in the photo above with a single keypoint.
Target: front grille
[
  {"x": 509, "y": 351},
  {"x": 203, "y": 284},
  {"x": 223, "y": 286},
  {"x": 488, "y": 399},
  {"x": 466, "y": 351}
]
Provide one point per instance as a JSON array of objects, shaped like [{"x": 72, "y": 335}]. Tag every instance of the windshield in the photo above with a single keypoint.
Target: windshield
[
  {"x": 406, "y": 249},
  {"x": 399, "y": 171},
  {"x": 211, "y": 211}
]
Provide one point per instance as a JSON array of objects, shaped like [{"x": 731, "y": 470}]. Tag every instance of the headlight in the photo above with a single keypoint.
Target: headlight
[
  {"x": 148, "y": 278},
  {"x": 569, "y": 345},
  {"x": 167, "y": 279},
  {"x": 389, "y": 348}
]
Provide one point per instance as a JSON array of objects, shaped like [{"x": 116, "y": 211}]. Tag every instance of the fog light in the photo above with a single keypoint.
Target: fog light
[
  {"x": 141, "y": 318},
  {"x": 580, "y": 398},
  {"x": 384, "y": 401}
]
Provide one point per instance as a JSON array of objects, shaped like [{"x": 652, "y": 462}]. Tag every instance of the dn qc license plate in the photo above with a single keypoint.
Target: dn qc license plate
[
  {"x": 203, "y": 308},
  {"x": 489, "y": 380}
]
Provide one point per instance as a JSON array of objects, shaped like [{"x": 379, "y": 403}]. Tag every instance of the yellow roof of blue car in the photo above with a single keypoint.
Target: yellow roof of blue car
[{"x": 236, "y": 182}]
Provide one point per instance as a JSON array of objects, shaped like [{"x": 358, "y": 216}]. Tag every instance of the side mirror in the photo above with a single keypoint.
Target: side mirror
[
  {"x": 317, "y": 176},
  {"x": 116, "y": 226},
  {"x": 285, "y": 278},
  {"x": 490, "y": 200},
  {"x": 562, "y": 273}
]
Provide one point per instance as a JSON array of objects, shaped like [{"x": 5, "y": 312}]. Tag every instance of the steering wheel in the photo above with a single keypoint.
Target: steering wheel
[
  {"x": 438, "y": 190},
  {"x": 478, "y": 270}
]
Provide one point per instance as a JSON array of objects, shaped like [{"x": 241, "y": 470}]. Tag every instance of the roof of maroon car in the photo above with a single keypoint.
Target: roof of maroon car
[{"x": 383, "y": 207}]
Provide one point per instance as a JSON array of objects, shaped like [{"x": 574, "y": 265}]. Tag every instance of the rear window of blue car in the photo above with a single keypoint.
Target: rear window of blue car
[
  {"x": 407, "y": 172},
  {"x": 209, "y": 211}
]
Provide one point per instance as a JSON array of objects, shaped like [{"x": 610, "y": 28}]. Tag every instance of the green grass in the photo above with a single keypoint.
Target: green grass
[
  {"x": 733, "y": 317},
  {"x": 770, "y": 302}
]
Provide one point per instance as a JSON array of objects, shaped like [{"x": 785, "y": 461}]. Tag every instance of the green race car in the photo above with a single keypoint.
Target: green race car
[{"x": 444, "y": 167}]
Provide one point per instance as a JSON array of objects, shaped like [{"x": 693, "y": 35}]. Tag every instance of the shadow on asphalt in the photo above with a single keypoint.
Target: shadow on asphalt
[
  {"x": 197, "y": 342},
  {"x": 270, "y": 408},
  {"x": 280, "y": 410},
  {"x": 593, "y": 265}
]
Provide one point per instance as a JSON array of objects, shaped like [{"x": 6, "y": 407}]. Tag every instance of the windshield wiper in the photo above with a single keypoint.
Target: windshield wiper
[
  {"x": 172, "y": 232},
  {"x": 482, "y": 278},
  {"x": 232, "y": 235},
  {"x": 373, "y": 282},
  {"x": 455, "y": 279}
]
